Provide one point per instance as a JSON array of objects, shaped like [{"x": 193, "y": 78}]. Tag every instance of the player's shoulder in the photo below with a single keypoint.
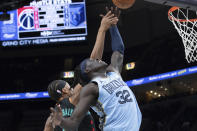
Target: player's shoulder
[
  {"x": 111, "y": 68},
  {"x": 65, "y": 103},
  {"x": 112, "y": 71},
  {"x": 91, "y": 84},
  {"x": 91, "y": 87}
]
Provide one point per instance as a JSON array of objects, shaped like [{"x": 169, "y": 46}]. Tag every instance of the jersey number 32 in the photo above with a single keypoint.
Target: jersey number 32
[{"x": 124, "y": 96}]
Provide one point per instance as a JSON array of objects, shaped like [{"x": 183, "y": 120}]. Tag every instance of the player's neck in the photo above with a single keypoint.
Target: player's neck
[{"x": 99, "y": 74}]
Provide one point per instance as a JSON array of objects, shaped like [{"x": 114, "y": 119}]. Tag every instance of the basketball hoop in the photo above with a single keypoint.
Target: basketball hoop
[{"x": 187, "y": 28}]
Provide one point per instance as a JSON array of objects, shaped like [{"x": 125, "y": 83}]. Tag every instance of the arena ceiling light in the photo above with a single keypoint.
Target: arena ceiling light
[
  {"x": 130, "y": 66},
  {"x": 68, "y": 74}
]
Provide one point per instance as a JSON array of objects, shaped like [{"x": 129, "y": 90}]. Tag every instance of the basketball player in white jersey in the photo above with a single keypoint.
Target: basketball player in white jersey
[
  {"x": 106, "y": 93},
  {"x": 60, "y": 90}
]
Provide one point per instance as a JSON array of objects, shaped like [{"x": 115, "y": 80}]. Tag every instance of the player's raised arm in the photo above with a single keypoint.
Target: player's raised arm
[
  {"x": 88, "y": 96},
  {"x": 106, "y": 23},
  {"x": 117, "y": 48}
]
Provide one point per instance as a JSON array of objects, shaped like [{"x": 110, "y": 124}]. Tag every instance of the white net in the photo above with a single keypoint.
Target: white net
[{"x": 187, "y": 29}]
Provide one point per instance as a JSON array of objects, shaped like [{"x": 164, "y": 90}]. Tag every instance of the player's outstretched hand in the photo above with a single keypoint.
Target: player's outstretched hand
[
  {"x": 114, "y": 10},
  {"x": 108, "y": 20},
  {"x": 56, "y": 115}
]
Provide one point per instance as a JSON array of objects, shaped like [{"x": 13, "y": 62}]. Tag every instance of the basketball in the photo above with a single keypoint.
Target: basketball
[{"x": 123, "y": 4}]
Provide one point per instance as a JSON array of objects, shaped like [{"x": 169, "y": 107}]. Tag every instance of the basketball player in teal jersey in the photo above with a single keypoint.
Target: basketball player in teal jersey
[
  {"x": 61, "y": 92},
  {"x": 106, "y": 93}
]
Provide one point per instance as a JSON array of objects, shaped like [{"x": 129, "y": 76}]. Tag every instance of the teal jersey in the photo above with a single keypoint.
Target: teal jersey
[
  {"x": 87, "y": 124},
  {"x": 116, "y": 105}
]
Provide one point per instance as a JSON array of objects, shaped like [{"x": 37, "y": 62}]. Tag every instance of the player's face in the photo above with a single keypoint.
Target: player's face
[
  {"x": 67, "y": 91},
  {"x": 95, "y": 64}
]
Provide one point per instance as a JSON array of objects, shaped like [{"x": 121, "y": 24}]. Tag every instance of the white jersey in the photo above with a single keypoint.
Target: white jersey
[{"x": 117, "y": 105}]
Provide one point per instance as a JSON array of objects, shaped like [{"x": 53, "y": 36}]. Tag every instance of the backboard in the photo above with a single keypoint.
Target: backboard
[
  {"x": 183, "y": 15},
  {"x": 187, "y": 4}
]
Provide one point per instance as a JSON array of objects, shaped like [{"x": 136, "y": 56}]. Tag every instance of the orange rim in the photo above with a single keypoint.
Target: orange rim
[{"x": 174, "y": 8}]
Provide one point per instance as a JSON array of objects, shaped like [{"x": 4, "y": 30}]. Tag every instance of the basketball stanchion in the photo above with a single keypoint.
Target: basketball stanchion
[{"x": 185, "y": 22}]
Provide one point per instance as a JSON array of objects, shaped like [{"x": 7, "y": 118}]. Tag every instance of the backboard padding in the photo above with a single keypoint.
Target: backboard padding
[{"x": 187, "y": 4}]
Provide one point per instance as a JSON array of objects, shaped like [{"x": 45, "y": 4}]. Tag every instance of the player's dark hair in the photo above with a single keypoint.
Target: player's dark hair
[
  {"x": 83, "y": 74},
  {"x": 55, "y": 89}
]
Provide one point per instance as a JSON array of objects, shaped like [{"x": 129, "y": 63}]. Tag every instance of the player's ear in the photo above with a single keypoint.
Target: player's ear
[
  {"x": 88, "y": 67},
  {"x": 87, "y": 70}
]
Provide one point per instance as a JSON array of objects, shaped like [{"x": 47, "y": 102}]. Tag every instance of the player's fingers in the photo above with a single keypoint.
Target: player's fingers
[
  {"x": 52, "y": 110},
  {"x": 107, "y": 9},
  {"x": 52, "y": 115},
  {"x": 58, "y": 108},
  {"x": 50, "y": 118},
  {"x": 114, "y": 18},
  {"x": 53, "y": 125},
  {"x": 111, "y": 16},
  {"x": 112, "y": 9},
  {"x": 108, "y": 13},
  {"x": 114, "y": 21},
  {"x": 101, "y": 15}
]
